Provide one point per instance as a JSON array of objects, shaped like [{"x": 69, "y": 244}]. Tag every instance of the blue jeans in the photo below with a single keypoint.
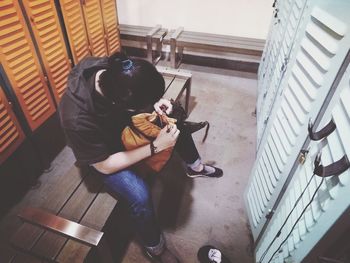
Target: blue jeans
[{"x": 134, "y": 191}]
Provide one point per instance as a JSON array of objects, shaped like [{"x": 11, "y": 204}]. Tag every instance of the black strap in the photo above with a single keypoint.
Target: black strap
[
  {"x": 335, "y": 168},
  {"x": 324, "y": 132},
  {"x": 140, "y": 133},
  {"x": 206, "y": 131}
]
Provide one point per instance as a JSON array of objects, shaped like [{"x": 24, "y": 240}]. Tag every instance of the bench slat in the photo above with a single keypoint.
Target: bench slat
[
  {"x": 26, "y": 236},
  {"x": 51, "y": 244},
  {"x": 99, "y": 211},
  {"x": 135, "y": 30},
  {"x": 193, "y": 34},
  {"x": 53, "y": 241},
  {"x": 7, "y": 254},
  {"x": 52, "y": 199},
  {"x": 96, "y": 218},
  {"x": 133, "y": 27},
  {"x": 168, "y": 80},
  {"x": 176, "y": 33},
  {"x": 138, "y": 37},
  {"x": 142, "y": 32},
  {"x": 171, "y": 72},
  {"x": 221, "y": 41},
  {"x": 176, "y": 89},
  {"x": 73, "y": 251},
  {"x": 160, "y": 34},
  {"x": 102, "y": 208},
  {"x": 21, "y": 258},
  {"x": 238, "y": 50}
]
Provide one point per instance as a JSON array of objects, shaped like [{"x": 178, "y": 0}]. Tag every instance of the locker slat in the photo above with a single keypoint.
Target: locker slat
[
  {"x": 330, "y": 21},
  {"x": 316, "y": 54},
  {"x": 276, "y": 139},
  {"x": 95, "y": 29},
  {"x": 298, "y": 110},
  {"x": 74, "y": 20},
  {"x": 310, "y": 69},
  {"x": 270, "y": 170},
  {"x": 109, "y": 12},
  {"x": 322, "y": 38},
  {"x": 29, "y": 68},
  {"x": 11, "y": 134},
  {"x": 266, "y": 176}
]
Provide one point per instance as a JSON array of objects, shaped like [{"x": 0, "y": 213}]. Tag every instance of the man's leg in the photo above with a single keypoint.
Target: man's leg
[
  {"x": 135, "y": 192},
  {"x": 187, "y": 149}
]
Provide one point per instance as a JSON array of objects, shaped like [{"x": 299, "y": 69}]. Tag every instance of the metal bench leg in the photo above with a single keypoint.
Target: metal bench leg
[
  {"x": 149, "y": 48},
  {"x": 173, "y": 52},
  {"x": 188, "y": 95},
  {"x": 173, "y": 44},
  {"x": 180, "y": 51},
  {"x": 159, "y": 52},
  {"x": 149, "y": 37}
]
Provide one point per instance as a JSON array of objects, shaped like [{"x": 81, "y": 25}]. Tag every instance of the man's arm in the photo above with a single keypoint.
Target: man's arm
[{"x": 121, "y": 160}]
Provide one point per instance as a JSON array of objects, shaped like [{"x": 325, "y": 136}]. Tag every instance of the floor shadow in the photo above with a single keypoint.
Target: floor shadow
[
  {"x": 171, "y": 190},
  {"x": 118, "y": 233}
]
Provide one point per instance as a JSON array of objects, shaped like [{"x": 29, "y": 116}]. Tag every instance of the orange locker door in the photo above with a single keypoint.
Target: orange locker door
[
  {"x": 18, "y": 57},
  {"x": 110, "y": 20},
  {"x": 95, "y": 28},
  {"x": 11, "y": 134},
  {"x": 48, "y": 35},
  {"x": 75, "y": 28}
]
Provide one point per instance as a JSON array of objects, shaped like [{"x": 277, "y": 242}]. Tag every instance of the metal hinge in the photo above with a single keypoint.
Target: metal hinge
[
  {"x": 284, "y": 65},
  {"x": 274, "y": 3},
  {"x": 270, "y": 214},
  {"x": 302, "y": 156},
  {"x": 266, "y": 120}
]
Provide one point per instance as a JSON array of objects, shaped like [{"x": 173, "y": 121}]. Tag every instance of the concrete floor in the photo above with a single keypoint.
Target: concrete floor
[{"x": 195, "y": 212}]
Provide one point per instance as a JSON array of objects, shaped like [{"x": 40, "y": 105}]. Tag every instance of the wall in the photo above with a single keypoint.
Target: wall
[{"x": 246, "y": 18}]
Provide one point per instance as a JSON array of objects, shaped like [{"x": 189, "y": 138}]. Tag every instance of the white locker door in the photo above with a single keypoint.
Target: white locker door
[
  {"x": 302, "y": 227},
  {"x": 322, "y": 42},
  {"x": 289, "y": 15},
  {"x": 272, "y": 36}
]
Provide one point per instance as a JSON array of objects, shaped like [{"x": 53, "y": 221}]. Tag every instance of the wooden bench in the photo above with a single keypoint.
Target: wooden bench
[
  {"x": 147, "y": 35},
  {"x": 67, "y": 224},
  {"x": 176, "y": 83},
  {"x": 180, "y": 39}
]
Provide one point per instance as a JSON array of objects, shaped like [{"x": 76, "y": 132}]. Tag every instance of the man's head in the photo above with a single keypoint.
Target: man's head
[{"x": 131, "y": 83}]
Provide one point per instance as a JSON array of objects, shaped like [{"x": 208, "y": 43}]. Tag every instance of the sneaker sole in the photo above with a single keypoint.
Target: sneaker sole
[{"x": 200, "y": 175}]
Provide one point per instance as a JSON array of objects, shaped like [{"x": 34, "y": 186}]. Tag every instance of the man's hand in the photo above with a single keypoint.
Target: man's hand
[
  {"x": 163, "y": 106},
  {"x": 167, "y": 137}
]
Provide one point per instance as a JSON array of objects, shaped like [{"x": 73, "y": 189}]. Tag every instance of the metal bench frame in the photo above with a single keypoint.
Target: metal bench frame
[
  {"x": 184, "y": 75},
  {"x": 238, "y": 45},
  {"x": 147, "y": 34}
]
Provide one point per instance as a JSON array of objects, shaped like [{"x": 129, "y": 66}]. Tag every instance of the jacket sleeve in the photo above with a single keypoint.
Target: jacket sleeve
[{"x": 88, "y": 147}]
